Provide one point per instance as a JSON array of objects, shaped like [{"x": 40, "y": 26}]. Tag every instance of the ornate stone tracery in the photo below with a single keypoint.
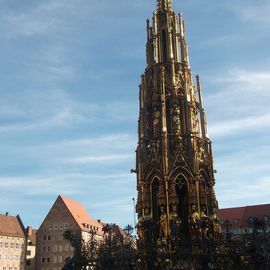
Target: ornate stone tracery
[{"x": 174, "y": 154}]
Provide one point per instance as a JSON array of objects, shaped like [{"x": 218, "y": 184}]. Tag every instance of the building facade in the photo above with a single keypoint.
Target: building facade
[
  {"x": 30, "y": 249},
  {"x": 12, "y": 243},
  {"x": 242, "y": 220},
  {"x": 175, "y": 174},
  {"x": 52, "y": 248}
]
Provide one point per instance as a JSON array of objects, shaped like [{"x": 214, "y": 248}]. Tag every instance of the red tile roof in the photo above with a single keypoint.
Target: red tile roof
[
  {"x": 81, "y": 216},
  {"x": 243, "y": 215},
  {"x": 11, "y": 226}
]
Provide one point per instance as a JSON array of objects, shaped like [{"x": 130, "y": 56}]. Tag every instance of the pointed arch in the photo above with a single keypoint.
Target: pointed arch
[
  {"x": 154, "y": 179},
  {"x": 154, "y": 188},
  {"x": 180, "y": 170},
  {"x": 180, "y": 179},
  {"x": 164, "y": 45},
  {"x": 152, "y": 174}
]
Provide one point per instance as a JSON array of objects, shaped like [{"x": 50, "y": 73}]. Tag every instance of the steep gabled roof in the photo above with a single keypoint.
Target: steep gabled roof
[
  {"x": 11, "y": 226},
  {"x": 240, "y": 217},
  {"x": 81, "y": 216}
]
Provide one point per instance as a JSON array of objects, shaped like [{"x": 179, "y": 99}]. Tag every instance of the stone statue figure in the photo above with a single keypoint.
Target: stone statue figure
[
  {"x": 163, "y": 223},
  {"x": 156, "y": 115},
  {"x": 174, "y": 216},
  {"x": 176, "y": 118},
  {"x": 205, "y": 222},
  {"x": 139, "y": 228},
  {"x": 194, "y": 220},
  {"x": 175, "y": 221},
  {"x": 199, "y": 156},
  {"x": 216, "y": 228}
]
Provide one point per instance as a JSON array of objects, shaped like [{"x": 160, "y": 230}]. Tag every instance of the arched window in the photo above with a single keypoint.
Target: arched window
[
  {"x": 164, "y": 45},
  {"x": 174, "y": 46},
  {"x": 182, "y": 193},
  {"x": 154, "y": 197}
]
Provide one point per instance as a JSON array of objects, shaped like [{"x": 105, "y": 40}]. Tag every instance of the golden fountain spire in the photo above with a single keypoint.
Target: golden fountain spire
[{"x": 165, "y": 4}]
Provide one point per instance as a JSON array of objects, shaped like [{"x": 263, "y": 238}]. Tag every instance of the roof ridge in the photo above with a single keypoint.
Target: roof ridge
[{"x": 79, "y": 213}]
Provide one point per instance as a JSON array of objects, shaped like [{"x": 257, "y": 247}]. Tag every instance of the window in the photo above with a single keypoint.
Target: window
[
  {"x": 67, "y": 247},
  {"x": 28, "y": 262},
  {"x": 60, "y": 259},
  {"x": 60, "y": 248},
  {"x": 6, "y": 244},
  {"x": 54, "y": 259},
  {"x": 12, "y": 245},
  {"x": 49, "y": 237},
  {"x": 164, "y": 45},
  {"x": 22, "y": 246},
  {"x": 54, "y": 248},
  {"x": 43, "y": 260},
  {"x": 43, "y": 249},
  {"x": 51, "y": 227},
  {"x": 55, "y": 227},
  {"x": 48, "y": 259},
  {"x": 44, "y": 238},
  {"x": 1, "y": 244},
  {"x": 265, "y": 218},
  {"x": 17, "y": 245},
  {"x": 49, "y": 248}
]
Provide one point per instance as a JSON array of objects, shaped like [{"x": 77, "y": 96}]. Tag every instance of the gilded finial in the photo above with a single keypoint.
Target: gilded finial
[{"x": 164, "y": 4}]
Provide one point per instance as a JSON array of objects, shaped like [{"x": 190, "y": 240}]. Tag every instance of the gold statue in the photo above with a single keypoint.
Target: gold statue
[
  {"x": 163, "y": 223},
  {"x": 194, "y": 220},
  {"x": 215, "y": 223}
]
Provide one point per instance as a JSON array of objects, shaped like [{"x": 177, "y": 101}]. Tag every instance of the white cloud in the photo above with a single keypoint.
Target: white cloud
[
  {"x": 258, "y": 13},
  {"x": 240, "y": 103},
  {"x": 31, "y": 22},
  {"x": 251, "y": 124},
  {"x": 112, "y": 158},
  {"x": 260, "y": 79},
  {"x": 251, "y": 190}
]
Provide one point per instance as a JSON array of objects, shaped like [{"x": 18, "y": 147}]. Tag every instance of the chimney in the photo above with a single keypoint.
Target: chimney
[
  {"x": 98, "y": 220},
  {"x": 6, "y": 213},
  {"x": 29, "y": 230}
]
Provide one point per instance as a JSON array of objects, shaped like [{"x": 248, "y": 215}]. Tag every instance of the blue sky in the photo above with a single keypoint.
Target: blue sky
[{"x": 69, "y": 75}]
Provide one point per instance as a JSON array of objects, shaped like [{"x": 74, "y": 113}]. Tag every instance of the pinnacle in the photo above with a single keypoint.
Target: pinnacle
[{"x": 164, "y": 4}]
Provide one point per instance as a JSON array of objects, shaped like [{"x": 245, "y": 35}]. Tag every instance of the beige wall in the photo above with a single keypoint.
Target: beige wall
[
  {"x": 12, "y": 253},
  {"x": 30, "y": 257}
]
